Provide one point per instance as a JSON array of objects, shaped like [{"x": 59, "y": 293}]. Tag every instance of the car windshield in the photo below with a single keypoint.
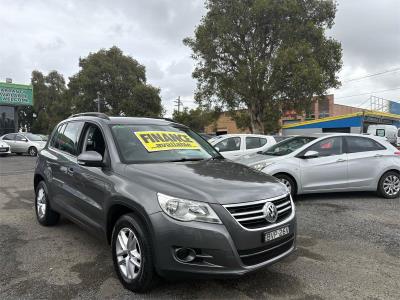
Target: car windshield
[
  {"x": 33, "y": 137},
  {"x": 215, "y": 138},
  {"x": 160, "y": 143},
  {"x": 288, "y": 146}
]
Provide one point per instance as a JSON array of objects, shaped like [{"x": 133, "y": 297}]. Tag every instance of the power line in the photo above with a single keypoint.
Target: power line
[
  {"x": 372, "y": 75},
  {"x": 369, "y": 93}
]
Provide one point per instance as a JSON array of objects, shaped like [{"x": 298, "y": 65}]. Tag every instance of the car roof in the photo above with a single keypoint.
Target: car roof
[
  {"x": 321, "y": 135},
  {"x": 121, "y": 120},
  {"x": 242, "y": 135}
]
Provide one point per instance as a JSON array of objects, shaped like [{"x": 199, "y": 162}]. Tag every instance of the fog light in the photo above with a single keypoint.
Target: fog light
[{"x": 185, "y": 254}]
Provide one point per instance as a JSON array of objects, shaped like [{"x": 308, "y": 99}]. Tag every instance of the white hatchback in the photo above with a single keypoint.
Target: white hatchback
[
  {"x": 232, "y": 146},
  {"x": 332, "y": 163}
]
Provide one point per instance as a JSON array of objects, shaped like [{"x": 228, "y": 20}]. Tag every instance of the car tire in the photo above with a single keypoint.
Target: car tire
[
  {"x": 134, "y": 263},
  {"x": 32, "y": 151},
  {"x": 289, "y": 182},
  {"x": 44, "y": 214},
  {"x": 389, "y": 185}
]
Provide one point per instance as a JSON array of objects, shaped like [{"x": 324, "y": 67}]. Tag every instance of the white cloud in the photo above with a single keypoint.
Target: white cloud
[{"x": 48, "y": 35}]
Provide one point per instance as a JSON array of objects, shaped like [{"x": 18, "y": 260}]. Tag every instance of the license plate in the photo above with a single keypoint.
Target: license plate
[
  {"x": 3, "y": 150},
  {"x": 272, "y": 235}
]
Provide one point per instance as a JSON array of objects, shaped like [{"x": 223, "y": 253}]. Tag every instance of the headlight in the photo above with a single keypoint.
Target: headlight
[
  {"x": 187, "y": 210},
  {"x": 262, "y": 165}
]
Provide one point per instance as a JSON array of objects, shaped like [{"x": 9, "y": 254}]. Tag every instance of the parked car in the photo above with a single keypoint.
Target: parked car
[
  {"x": 4, "y": 148},
  {"x": 44, "y": 137},
  {"x": 166, "y": 201},
  {"x": 24, "y": 143},
  {"x": 233, "y": 146},
  {"x": 332, "y": 163},
  {"x": 280, "y": 138},
  {"x": 390, "y": 132}
]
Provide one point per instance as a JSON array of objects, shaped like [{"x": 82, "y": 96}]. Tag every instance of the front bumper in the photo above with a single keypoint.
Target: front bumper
[
  {"x": 223, "y": 250},
  {"x": 5, "y": 150}
]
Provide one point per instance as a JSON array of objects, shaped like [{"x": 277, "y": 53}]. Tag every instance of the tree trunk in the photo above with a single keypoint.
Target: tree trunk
[{"x": 256, "y": 122}]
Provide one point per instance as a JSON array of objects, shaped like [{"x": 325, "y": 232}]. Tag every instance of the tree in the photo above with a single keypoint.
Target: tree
[
  {"x": 264, "y": 55},
  {"x": 119, "y": 81},
  {"x": 197, "y": 118},
  {"x": 50, "y": 105}
]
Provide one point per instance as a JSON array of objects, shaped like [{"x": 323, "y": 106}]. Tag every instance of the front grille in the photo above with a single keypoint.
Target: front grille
[
  {"x": 250, "y": 214},
  {"x": 263, "y": 254}
]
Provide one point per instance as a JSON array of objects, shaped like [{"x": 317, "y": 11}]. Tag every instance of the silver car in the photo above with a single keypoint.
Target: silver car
[
  {"x": 24, "y": 143},
  {"x": 4, "y": 148},
  {"x": 332, "y": 163}
]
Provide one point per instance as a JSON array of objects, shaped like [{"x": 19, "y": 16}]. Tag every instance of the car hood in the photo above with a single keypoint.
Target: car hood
[
  {"x": 212, "y": 181},
  {"x": 252, "y": 159}
]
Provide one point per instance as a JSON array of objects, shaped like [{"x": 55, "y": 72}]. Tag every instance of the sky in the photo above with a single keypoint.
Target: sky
[{"x": 50, "y": 35}]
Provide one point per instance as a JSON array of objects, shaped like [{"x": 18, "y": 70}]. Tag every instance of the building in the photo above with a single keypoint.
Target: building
[
  {"x": 349, "y": 123},
  {"x": 321, "y": 108},
  {"x": 13, "y": 96}
]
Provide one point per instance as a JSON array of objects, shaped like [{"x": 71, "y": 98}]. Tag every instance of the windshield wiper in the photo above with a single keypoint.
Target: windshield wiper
[
  {"x": 186, "y": 159},
  {"x": 271, "y": 153}
]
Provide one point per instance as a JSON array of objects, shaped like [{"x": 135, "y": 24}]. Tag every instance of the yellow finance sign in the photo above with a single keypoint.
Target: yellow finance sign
[{"x": 166, "y": 140}]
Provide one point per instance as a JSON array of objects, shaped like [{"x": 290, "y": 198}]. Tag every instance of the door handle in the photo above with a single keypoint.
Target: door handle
[
  {"x": 378, "y": 155},
  {"x": 341, "y": 160}
]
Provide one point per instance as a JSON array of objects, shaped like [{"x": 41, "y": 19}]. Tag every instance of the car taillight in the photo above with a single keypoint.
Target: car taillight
[{"x": 397, "y": 153}]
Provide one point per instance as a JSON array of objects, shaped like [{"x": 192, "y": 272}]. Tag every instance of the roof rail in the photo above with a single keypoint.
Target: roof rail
[
  {"x": 90, "y": 114},
  {"x": 162, "y": 118}
]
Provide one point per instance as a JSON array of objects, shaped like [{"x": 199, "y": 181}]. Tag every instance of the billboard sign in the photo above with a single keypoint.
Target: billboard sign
[{"x": 16, "y": 94}]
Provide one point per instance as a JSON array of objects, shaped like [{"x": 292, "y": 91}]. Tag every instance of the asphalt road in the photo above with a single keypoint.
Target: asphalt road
[{"x": 348, "y": 248}]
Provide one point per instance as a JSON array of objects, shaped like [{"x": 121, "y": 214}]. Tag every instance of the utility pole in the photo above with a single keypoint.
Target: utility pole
[
  {"x": 98, "y": 102},
  {"x": 178, "y": 103}
]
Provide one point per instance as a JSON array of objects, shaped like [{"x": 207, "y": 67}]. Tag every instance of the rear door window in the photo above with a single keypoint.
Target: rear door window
[
  {"x": 229, "y": 144},
  {"x": 362, "y": 144},
  {"x": 68, "y": 140},
  {"x": 255, "y": 142},
  {"x": 54, "y": 140}
]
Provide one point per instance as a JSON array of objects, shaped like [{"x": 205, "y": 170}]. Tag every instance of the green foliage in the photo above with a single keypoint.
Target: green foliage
[
  {"x": 118, "y": 80},
  {"x": 197, "y": 118},
  {"x": 265, "y": 54},
  {"x": 50, "y": 103}
]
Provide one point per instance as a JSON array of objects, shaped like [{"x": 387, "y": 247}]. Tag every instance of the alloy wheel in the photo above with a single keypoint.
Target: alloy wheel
[
  {"x": 41, "y": 203},
  {"x": 287, "y": 183},
  {"x": 32, "y": 151},
  {"x": 391, "y": 185},
  {"x": 128, "y": 253}
]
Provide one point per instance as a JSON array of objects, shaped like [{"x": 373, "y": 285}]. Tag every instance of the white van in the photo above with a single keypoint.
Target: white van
[{"x": 390, "y": 132}]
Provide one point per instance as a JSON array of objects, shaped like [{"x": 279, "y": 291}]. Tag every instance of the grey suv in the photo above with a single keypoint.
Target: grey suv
[{"x": 167, "y": 202}]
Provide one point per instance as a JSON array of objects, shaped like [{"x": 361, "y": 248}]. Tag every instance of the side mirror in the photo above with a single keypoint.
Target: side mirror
[
  {"x": 311, "y": 154},
  {"x": 90, "y": 159},
  {"x": 25, "y": 140}
]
